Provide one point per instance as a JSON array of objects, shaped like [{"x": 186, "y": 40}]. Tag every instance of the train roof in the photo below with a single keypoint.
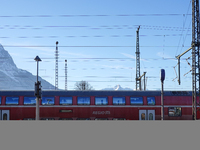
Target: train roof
[{"x": 94, "y": 93}]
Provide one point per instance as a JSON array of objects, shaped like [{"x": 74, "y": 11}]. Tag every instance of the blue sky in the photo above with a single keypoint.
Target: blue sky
[{"x": 98, "y": 39}]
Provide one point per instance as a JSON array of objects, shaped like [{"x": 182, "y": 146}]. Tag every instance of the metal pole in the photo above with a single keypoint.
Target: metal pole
[
  {"x": 37, "y": 111},
  {"x": 179, "y": 78},
  {"x": 65, "y": 74},
  {"x": 162, "y": 108},
  {"x": 162, "y": 78},
  {"x": 37, "y": 72},
  {"x": 56, "y": 67},
  {"x": 37, "y": 99},
  {"x": 144, "y": 83}
]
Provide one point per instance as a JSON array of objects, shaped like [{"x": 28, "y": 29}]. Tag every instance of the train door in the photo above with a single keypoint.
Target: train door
[
  {"x": 5, "y": 115},
  {"x": 146, "y": 114},
  {"x": 151, "y": 114}
]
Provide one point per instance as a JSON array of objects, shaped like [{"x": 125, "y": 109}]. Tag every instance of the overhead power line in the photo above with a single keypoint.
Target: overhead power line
[
  {"x": 86, "y": 36},
  {"x": 86, "y": 15},
  {"x": 94, "y": 27},
  {"x": 88, "y": 46}
]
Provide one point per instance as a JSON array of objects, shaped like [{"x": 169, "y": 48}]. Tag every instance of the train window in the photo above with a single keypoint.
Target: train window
[
  {"x": 101, "y": 118},
  {"x": 136, "y": 100},
  {"x": 83, "y": 119},
  {"x": 29, "y": 100},
  {"x": 12, "y": 100},
  {"x": 5, "y": 116},
  {"x": 65, "y": 100},
  {"x": 83, "y": 101},
  {"x": 151, "y": 100},
  {"x": 47, "y": 100},
  {"x": 65, "y": 119},
  {"x": 47, "y": 119},
  {"x": 119, "y": 119},
  {"x": 150, "y": 116},
  {"x": 143, "y": 116},
  {"x": 29, "y": 119},
  {"x": 0, "y": 100},
  {"x": 174, "y": 111},
  {"x": 118, "y": 100},
  {"x": 101, "y": 101}
]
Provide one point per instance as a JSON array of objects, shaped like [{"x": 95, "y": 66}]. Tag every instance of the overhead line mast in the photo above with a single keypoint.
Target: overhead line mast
[
  {"x": 138, "y": 83},
  {"x": 65, "y": 74},
  {"x": 138, "y": 77},
  {"x": 56, "y": 67},
  {"x": 195, "y": 56}
]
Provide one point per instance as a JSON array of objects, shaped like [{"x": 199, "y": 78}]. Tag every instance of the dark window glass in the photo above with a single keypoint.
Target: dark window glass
[
  {"x": 29, "y": 119},
  {"x": 12, "y": 100},
  {"x": 47, "y": 119},
  {"x": 47, "y": 100},
  {"x": 65, "y": 119},
  {"x": 119, "y": 119},
  {"x": 118, "y": 100},
  {"x": 174, "y": 111},
  {"x": 65, "y": 100},
  {"x": 151, "y": 100},
  {"x": 83, "y": 118},
  {"x": 29, "y": 100},
  {"x": 143, "y": 116},
  {"x": 101, "y": 118},
  {"x": 150, "y": 116},
  {"x": 5, "y": 116},
  {"x": 0, "y": 100},
  {"x": 83, "y": 101},
  {"x": 136, "y": 100},
  {"x": 101, "y": 101}
]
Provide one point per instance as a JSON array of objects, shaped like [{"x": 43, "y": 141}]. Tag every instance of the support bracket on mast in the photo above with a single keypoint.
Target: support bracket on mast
[{"x": 178, "y": 57}]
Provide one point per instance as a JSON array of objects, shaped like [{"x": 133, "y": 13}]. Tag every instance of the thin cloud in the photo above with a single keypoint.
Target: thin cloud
[
  {"x": 133, "y": 57},
  {"x": 160, "y": 54},
  {"x": 75, "y": 54}
]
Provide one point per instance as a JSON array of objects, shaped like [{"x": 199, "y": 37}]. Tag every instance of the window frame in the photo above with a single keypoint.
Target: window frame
[
  {"x": 123, "y": 99},
  {"x": 137, "y": 104},
  {"x": 83, "y": 119},
  {"x": 83, "y": 103},
  {"x": 66, "y": 103},
  {"x": 103, "y": 102},
  {"x": 12, "y": 97},
  {"x": 175, "y": 112},
  {"x": 29, "y": 103},
  {"x": 49, "y": 98},
  {"x": 150, "y": 103},
  {"x": 65, "y": 119},
  {"x": 28, "y": 119},
  {"x": 47, "y": 119}
]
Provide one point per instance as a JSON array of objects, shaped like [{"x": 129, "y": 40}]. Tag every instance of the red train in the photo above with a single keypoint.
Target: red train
[{"x": 97, "y": 105}]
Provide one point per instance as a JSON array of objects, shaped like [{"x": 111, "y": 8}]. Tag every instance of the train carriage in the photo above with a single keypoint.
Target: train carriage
[{"x": 97, "y": 105}]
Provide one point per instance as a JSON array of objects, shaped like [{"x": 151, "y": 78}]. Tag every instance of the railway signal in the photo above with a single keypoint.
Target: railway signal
[{"x": 38, "y": 89}]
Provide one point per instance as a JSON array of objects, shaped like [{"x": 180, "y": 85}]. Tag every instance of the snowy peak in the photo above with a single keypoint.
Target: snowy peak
[
  {"x": 12, "y": 78},
  {"x": 6, "y": 59},
  {"x": 118, "y": 88}
]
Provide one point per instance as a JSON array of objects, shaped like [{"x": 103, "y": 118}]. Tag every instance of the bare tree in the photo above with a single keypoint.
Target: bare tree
[{"x": 83, "y": 85}]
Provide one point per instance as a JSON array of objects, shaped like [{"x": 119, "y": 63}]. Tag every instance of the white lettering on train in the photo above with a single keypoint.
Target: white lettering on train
[{"x": 101, "y": 112}]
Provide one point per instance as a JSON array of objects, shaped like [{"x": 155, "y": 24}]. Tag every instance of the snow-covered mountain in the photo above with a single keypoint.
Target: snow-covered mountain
[
  {"x": 118, "y": 88},
  {"x": 13, "y": 78}
]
